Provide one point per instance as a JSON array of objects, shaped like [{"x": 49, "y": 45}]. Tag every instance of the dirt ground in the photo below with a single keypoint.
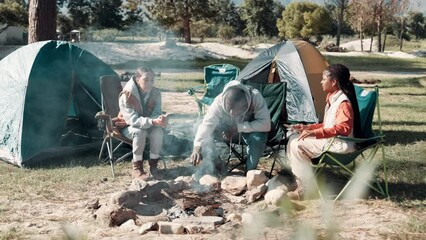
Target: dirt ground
[{"x": 314, "y": 219}]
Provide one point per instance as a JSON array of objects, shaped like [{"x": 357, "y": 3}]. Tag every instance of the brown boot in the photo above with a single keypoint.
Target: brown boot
[
  {"x": 153, "y": 169},
  {"x": 298, "y": 193},
  {"x": 138, "y": 171}
]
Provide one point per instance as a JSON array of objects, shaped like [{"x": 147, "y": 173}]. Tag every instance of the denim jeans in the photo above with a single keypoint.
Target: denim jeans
[{"x": 256, "y": 142}]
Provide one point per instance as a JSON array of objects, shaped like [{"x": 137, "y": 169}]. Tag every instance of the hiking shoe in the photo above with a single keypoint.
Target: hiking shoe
[
  {"x": 298, "y": 193},
  {"x": 138, "y": 172},
  {"x": 153, "y": 169}
]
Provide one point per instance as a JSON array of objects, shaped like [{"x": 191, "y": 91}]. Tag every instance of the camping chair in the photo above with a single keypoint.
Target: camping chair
[
  {"x": 215, "y": 78},
  {"x": 110, "y": 91},
  {"x": 274, "y": 95},
  {"x": 367, "y": 101}
]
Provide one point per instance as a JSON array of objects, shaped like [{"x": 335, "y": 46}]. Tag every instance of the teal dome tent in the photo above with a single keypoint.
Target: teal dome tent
[{"x": 46, "y": 86}]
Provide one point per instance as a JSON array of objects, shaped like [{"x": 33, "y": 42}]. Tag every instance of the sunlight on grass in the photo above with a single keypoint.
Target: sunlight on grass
[
  {"x": 50, "y": 183},
  {"x": 380, "y": 63}
]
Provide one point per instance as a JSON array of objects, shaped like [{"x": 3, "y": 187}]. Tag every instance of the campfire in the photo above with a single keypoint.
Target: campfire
[{"x": 190, "y": 206}]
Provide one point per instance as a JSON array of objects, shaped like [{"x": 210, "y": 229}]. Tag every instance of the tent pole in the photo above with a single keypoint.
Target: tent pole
[{"x": 272, "y": 72}]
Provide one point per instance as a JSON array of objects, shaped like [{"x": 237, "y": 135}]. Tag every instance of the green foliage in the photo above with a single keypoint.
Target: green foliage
[
  {"x": 302, "y": 20},
  {"x": 178, "y": 13},
  {"x": 101, "y": 14},
  {"x": 106, "y": 14},
  {"x": 80, "y": 12},
  {"x": 416, "y": 25},
  {"x": 334, "y": 9},
  {"x": 226, "y": 13},
  {"x": 202, "y": 29},
  {"x": 133, "y": 13},
  {"x": 259, "y": 17},
  {"x": 225, "y": 32},
  {"x": 13, "y": 12},
  {"x": 64, "y": 23}
]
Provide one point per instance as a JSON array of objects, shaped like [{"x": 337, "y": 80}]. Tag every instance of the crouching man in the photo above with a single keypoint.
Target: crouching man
[
  {"x": 238, "y": 113},
  {"x": 140, "y": 107}
]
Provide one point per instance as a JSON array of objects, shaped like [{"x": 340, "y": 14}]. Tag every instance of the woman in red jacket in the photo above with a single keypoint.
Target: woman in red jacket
[{"x": 341, "y": 118}]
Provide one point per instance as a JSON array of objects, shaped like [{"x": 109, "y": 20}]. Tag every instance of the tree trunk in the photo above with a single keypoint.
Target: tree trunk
[
  {"x": 379, "y": 36},
  {"x": 339, "y": 24},
  {"x": 41, "y": 20},
  {"x": 401, "y": 34},
  {"x": 384, "y": 42},
  {"x": 186, "y": 24},
  {"x": 361, "y": 36},
  {"x": 187, "y": 30},
  {"x": 371, "y": 42}
]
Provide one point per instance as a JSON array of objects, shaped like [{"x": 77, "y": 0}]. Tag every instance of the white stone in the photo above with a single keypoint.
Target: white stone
[
  {"x": 170, "y": 228},
  {"x": 129, "y": 224},
  {"x": 255, "y": 178},
  {"x": 147, "y": 227},
  {"x": 234, "y": 217},
  {"x": 275, "y": 196},
  {"x": 234, "y": 184},
  {"x": 138, "y": 185},
  {"x": 128, "y": 199},
  {"x": 210, "y": 181},
  {"x": 256, "y": 193}
]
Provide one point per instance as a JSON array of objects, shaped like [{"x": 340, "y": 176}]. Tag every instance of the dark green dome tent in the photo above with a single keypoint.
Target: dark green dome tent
[
  {"x": 45, "y": 85},
  {"x": 299, "y": 64}
]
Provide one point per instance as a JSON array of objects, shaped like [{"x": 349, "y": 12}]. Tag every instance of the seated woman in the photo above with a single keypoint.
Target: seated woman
[
  {"x": 140, "y": 108},
  {"x": 341, "y": 118}
]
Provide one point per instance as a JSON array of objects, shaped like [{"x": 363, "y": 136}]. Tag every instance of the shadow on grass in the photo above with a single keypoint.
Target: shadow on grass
[
  {"x": 404, "y": 123},
  {"x": 402, "y": 191},
  {"x": 406, "y": 82},
  {"x": 403, "y": 137},
  {"x": 398, "y": 191},
  {"x": 408, "y": 94},
  {"x": 87, "y": 157}
]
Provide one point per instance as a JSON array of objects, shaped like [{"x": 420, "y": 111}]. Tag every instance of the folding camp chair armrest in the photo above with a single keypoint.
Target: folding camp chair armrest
[
  {"x": 102, "y": 116},
  {"x": 358, "y": 140},
  {"x": 196, "y": 89},
  {"x": 107, "y": 119}
]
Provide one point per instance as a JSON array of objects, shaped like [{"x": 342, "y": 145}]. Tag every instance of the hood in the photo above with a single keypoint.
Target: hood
[{"x": 236, "y": 84}]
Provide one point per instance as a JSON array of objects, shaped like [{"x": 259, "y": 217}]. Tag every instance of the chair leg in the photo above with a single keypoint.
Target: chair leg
[
  {"x": 240, "y": 156},
  {"x": 385, "y": 170},
  {"x": 272, "y": 168},
  {"x": 164, "y": 162},
  {"x": 111, "y": 157},
  {"x": 109, "y": 147},
  {"x": 102, "y": 148},
  {"x": 200, "y": 110},
  {"x": 378, "y": 189},
  {"x": 123, "y": 157}
]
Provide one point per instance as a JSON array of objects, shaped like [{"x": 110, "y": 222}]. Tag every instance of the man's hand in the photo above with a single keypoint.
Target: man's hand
[
  {"x": 196, "y": 156},
  {"x": 230, "y": 133}
]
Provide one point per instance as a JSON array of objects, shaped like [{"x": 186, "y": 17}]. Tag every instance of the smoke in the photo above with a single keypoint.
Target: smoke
[{"x": 360, "y": 182}]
